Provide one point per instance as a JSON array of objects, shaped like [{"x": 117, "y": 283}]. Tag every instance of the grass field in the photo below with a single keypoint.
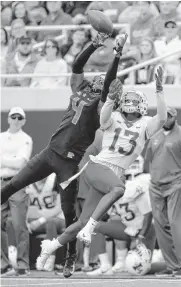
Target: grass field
[{"x": 47, "y": 279}]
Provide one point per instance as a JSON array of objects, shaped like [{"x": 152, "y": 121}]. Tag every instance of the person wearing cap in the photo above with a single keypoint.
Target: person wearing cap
[
  {"x": 22, "y": 61},
  {"x": 168, "y": 44},
  {"x": 164, "y": 157},
  {"x": 15, "y": 151}
]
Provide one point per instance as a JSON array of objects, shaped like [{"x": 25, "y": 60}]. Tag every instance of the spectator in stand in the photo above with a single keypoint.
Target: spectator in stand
[
  {"x": 22, "y": 61},
  {"x": 74, "y": 8},
  {"x": 111, "y": 8},
  {"x": 132, "y": 12},
  {"x": 169, "y": 43},
  {"x": 4, "y": 48},
  {"x": 56, "y": 16},
  {"x": 36, "y": 11},
  {"x": 19, "y": 12},
  {"x": 45, "y": 214},
  {"x": 15, "y": 149},
  {"x": 168, "y": 11},
  {"x": 17, "y": 31},
  {"x": 146, "y": 51},
  {"x": 4, "y": 43},
  {"x": 76, "y": 43},
  {"x": 52, "y": 63},
  {"x": 143, "y": 26},
  {"x": 6, "y": 13},
  {"x": 99, "y": 61}
]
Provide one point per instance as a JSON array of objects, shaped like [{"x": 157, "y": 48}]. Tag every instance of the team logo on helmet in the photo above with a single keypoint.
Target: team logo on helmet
[
  {"x": 134, "y": 101},
  {"x": 138, "y": 261}
]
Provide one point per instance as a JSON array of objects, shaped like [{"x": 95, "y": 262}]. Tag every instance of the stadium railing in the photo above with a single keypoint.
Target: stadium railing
[
  {"x": 65, "y": 28},
  {"x": 121, "y": 73}
]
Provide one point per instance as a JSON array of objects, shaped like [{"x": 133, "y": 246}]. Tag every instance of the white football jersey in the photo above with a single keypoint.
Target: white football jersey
[
  {"x": 123, "y": 141},
  {"x": 42, "y": 196},
  {"x": 134, "y": 204}
]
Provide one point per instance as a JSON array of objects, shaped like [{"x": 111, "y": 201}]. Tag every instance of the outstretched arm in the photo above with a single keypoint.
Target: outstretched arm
[
  {"x": 77, "y": 77},
  {"x": 156, "y": 123},
  {"x": 115, "y": 90},
  {"x": 112, "y": 70}
]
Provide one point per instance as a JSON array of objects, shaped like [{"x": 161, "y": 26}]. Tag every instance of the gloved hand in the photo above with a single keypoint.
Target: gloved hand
[
  {"x": 115, "y": 89},
  {"x": 99, "y": 40},
  {"x": 119, "y": 43},
  {"x": 159, "y": 79}
]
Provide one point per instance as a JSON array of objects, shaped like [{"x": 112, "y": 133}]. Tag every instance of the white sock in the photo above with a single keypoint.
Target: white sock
[
  {"x": 104, "y": 260},
  {"x": 121, "y": 254},
  {"x": 91, "y": 225},
  {"x": 86, "y": 256},
  {"x": 55, "y": 244}
]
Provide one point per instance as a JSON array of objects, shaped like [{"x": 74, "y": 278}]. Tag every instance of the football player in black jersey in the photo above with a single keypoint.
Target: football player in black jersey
[{"x": 75, "y": 133}]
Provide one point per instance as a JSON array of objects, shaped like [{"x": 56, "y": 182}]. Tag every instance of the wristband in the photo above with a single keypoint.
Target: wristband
[{"x": 42, "y": 220}]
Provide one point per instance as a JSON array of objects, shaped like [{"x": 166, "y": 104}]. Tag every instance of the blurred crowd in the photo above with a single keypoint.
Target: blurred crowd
[{"x": 154, "y": 29}]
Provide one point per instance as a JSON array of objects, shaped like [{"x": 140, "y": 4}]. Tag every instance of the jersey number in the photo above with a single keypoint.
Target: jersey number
[
  {"x": 130, "y": 213},
  {"x": 77, "y": 107},
  {"x": 132, "y": 141}
]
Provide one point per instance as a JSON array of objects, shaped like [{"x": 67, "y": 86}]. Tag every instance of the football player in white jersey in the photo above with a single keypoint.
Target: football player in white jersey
[
  {"x": 126, "y": 131},
  {"x": 130, "y": 220}
]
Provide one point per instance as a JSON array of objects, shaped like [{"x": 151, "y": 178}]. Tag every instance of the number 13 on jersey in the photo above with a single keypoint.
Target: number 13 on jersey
[{"x": 132, "y": 141}]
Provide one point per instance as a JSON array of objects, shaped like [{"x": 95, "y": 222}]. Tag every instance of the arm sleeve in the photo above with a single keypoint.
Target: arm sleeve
[
  {"x": 77, "y": 67},
  {"x": 110, "y": 76},
  {"x": 156, "y": 123},
  {"x": 106, "y": 113}
]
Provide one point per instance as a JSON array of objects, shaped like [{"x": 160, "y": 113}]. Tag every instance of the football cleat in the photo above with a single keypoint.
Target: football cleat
[
  {"x": 101, "y": 271},
  {"x": 49, "y": 265},
  {"x": 69, "y": 267},
  {"x": 119, "y": 267},
  {"x": 46, "y": 251}
]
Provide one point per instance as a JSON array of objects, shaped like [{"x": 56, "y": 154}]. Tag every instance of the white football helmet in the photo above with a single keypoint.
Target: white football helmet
[
  {"x": 134, "y": 101},
  {"x": 138, "y": 261}
]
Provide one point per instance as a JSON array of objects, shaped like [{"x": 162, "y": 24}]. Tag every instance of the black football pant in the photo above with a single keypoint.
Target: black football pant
[{"x": 39, "y": 167}]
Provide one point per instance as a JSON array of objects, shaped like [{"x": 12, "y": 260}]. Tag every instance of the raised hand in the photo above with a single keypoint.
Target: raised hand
[
  {"x": 159, "y": 79},
  {"x": 99, "y": 40},
  {"x": 119, "y": 42},
  {"x": 115, "y": 89}
]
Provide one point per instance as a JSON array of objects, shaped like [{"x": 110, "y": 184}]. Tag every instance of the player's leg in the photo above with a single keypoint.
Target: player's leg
[
  {"x": 150, "y": 238},
  {"x": 162, "y": 228},
  {"x": 48, "y": 247},
  {"x": 104, "y": 180},
  {"x": 18, "y": 207},
  {"x": 36, "y": 169},
  {"x": 174, "y": 216},
  {"x": 114, "y": 229},
  {"x": 65, "y": 168}
]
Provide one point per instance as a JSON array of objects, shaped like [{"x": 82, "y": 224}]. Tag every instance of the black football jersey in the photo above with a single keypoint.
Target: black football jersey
[{"x": 79, "y": 124}]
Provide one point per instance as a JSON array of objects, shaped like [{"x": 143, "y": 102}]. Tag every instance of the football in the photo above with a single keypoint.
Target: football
[{"x": 100, "y": 22}]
